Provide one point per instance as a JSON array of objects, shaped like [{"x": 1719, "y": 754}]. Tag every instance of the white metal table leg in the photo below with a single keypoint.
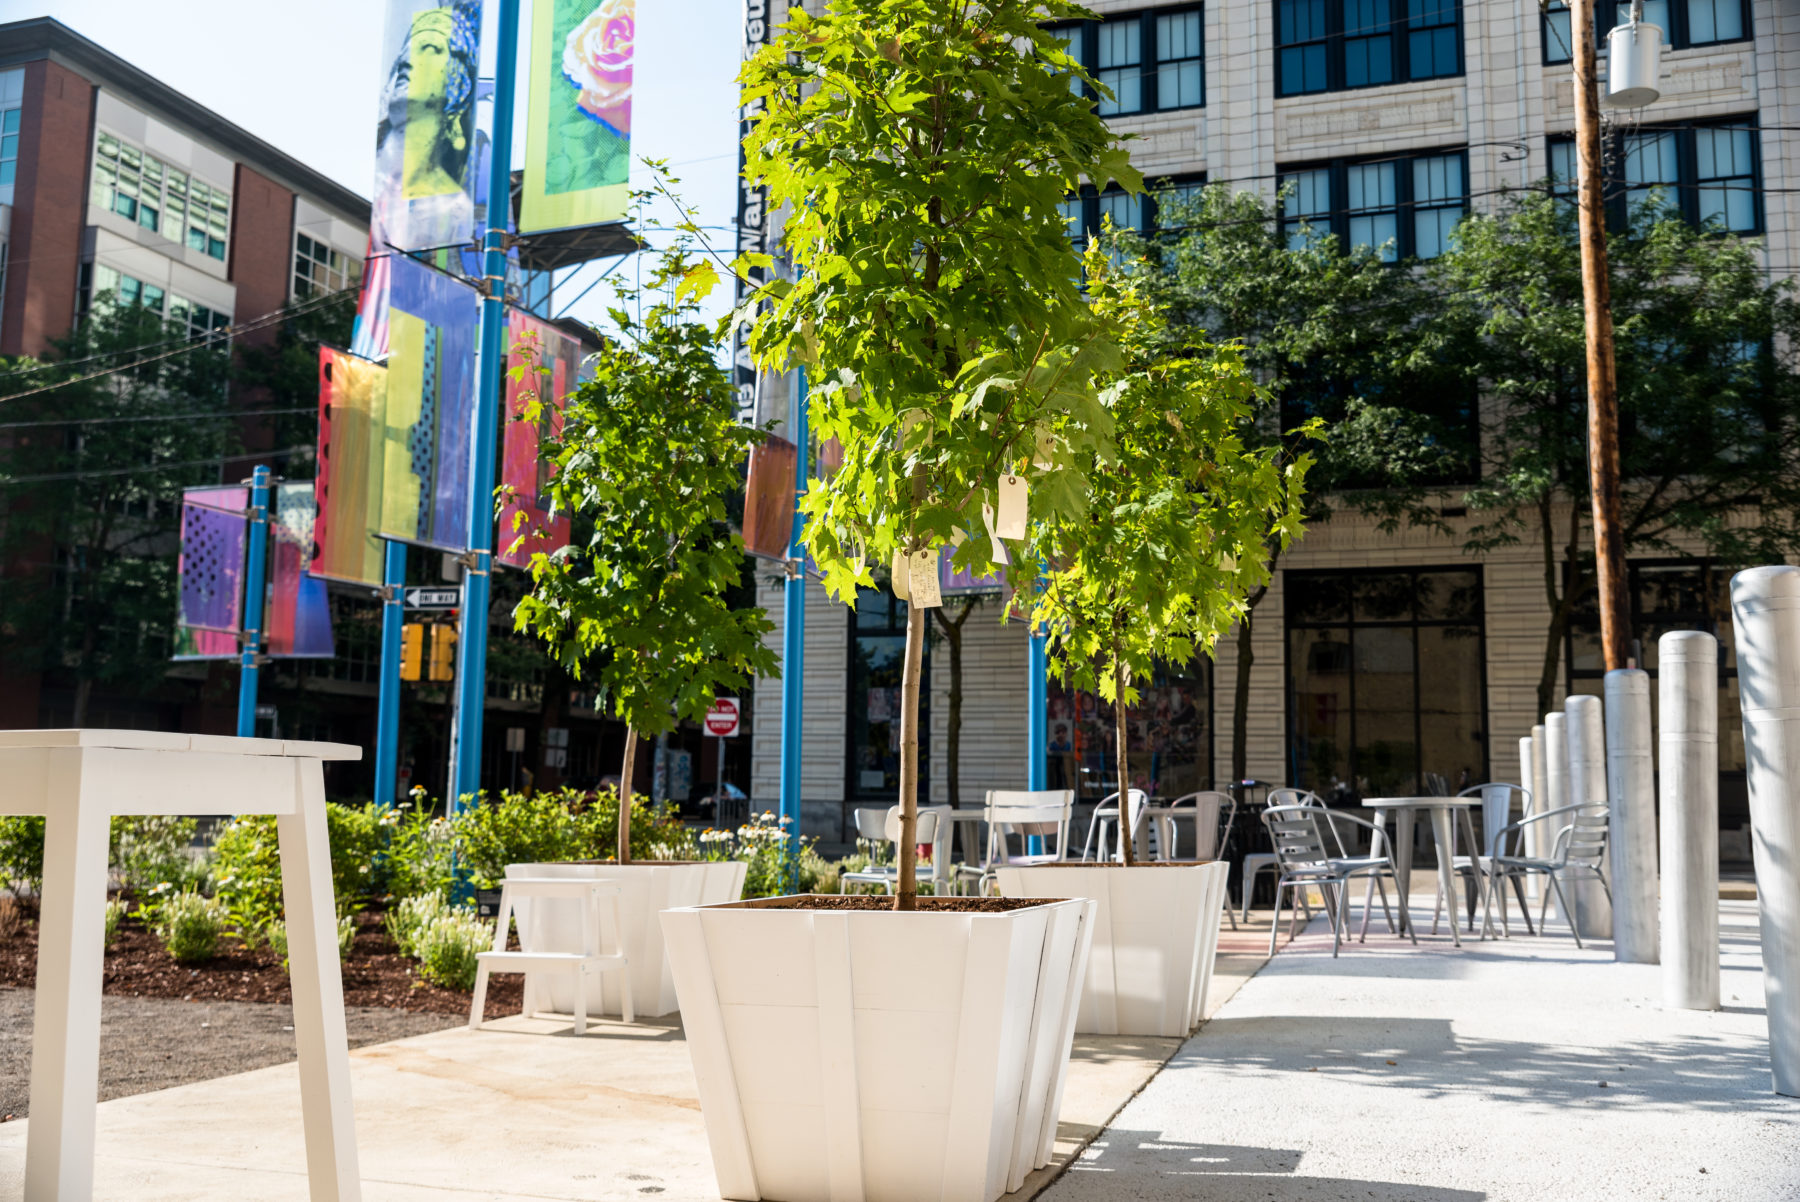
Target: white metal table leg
[
  {"x": 325, "y": 1107},
  {"x": 1443, "y": 835},
  {"x": 65, "y": 1047}
]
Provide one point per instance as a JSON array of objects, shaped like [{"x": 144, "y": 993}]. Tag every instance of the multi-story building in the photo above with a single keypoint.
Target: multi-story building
[{"x": 1377, "y": 658}]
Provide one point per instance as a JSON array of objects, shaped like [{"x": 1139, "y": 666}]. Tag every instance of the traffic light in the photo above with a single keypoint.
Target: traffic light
[
  {"x": 412, "y": 650},
  {"x": 443, "y": 652}
]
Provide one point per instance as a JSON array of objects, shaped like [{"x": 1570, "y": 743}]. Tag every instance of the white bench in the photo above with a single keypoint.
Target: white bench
[{"x": 599, "y": 904}]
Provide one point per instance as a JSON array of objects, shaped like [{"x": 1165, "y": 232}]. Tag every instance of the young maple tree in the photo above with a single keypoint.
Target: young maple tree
[
  {"x": 648, "y": 452},
  {"x": 920, "y": 150},
  {"x": 1183, "y": 510}
]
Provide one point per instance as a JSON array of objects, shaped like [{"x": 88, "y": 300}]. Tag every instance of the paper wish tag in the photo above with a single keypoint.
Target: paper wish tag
[
  {"x": 898, "y": 571},
  {"x": 922, "y": 580},
  {"x": 1009, "y": 515},
  {"x": 1000, "y": 555}
]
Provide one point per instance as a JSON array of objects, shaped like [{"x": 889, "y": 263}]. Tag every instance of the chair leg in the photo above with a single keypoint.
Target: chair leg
[
  {"x": 1437, "y": 907},
  {"x": 478, "y": 1007},
  {"x": 1247, "y": 883},
  {"x": 1544, "y": 907},
  {"x": 1275, "y": 918},
  {"x": 1524, "y": 906},
  {"x": 1487, "y": 905},
  {"x": 1561, "y": 901},
  {"x": 1381, "y": 889},
  {"x": 1340, "y": 917},
  {"x": 1405, "y": 919}
]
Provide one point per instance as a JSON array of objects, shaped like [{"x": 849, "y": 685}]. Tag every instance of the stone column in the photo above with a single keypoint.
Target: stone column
[
  {"x": 1537, "y": 842},
  {"x": 1587, "y": 787},
  {"x": 1688, "y": 706},
  {"x": 1765, "y": 607},
  {"x": 1631, "y": 802},
  {"x": 1556, "y": 791}
]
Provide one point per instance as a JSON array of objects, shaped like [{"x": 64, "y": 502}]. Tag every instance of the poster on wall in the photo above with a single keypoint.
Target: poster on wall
[
  {"x": 424, "y": 160},
  {"x": 578, "y": 136},
  {"x": 541, "y": 368},
  {"x": 215, "y": 528},
  {"x": 428, "y": 421},
  {"x": 769, "y": 499},
  {"x": 347, "y": 483},
  {"x": 298, "y": 616}
]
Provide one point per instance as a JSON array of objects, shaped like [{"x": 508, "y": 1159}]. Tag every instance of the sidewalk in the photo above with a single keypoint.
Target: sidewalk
[{"x": 1517, "y": 1071}]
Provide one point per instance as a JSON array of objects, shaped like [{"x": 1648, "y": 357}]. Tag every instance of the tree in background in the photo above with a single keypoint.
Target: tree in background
[
  {"x": 649, "y": 449},
  {"x": 1181, "y": 510},
  {"x": 1327, "y": 334},
  {"x": 1709, "y": 399},
  {"x": 921, "y": 151},
  {"x": 91, "y": 473}
]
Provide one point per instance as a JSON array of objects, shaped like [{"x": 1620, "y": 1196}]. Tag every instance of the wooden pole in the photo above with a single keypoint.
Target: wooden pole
[{"x": 1602, "y": 383}]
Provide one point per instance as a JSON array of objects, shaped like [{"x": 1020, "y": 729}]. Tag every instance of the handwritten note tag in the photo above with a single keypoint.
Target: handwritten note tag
[
  {"x": 1009, "y": 517},
  {"x": 1000, "y": 555},
  {"x": 922, "y": 580}
]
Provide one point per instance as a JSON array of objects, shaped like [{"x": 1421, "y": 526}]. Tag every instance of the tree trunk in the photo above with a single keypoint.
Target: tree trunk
[
  {"x": 84, "y": 688},
  {"x": 625, "y": 794},
  {"x": 1127, "y": 828},
  {"x": 952, "y": 632},
  {"x": 1240, "y": 693},
  {"x": 906, "y": 895}
]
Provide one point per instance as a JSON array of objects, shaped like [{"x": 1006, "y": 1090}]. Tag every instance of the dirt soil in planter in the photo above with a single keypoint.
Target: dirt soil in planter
[
  {"x": 853, "y": 901},
  {"x": 375, "y": 973},
  {"x": 1118, "y": 864}
]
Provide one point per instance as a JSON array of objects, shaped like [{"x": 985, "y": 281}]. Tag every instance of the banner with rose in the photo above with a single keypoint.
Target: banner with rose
[{"x": 578, "y": 139}]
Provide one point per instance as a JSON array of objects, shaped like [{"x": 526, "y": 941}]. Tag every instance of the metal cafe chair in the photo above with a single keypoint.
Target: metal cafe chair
[
  {"x": 928, "y": 830},
  {"x": 1579, "y": 847},
  {"x": 1496, "y": 811},
  {"x": 1022, "y": 814},
  {"x": 1301, "y": 848},
  {"x": 1105, "y": 820}
]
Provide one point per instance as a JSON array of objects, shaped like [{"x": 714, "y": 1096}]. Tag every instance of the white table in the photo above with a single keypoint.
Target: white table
[
  {"x": 1447, "y": 813},
  {"x": 78, "y": 780}
]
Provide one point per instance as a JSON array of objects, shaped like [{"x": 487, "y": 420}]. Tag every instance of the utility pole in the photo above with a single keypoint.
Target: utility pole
[{"x": 1602, "y": 381}]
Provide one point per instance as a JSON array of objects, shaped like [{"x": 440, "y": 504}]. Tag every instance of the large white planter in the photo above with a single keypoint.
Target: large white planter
[
  {"x": 875, "y": 1056},
  {"x": 650, "y": 887},
  {"x": 1155, "y": 935}
]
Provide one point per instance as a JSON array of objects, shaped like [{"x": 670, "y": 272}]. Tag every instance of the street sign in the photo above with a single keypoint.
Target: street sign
[
  {"x": 433, "y": 598},
  {"x": 722, "y": 718}
]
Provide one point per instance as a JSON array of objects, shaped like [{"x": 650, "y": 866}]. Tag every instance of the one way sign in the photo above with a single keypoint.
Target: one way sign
[{"x": 433, "y": 598}]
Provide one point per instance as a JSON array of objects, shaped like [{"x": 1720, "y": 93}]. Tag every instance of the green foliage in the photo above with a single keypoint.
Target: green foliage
[
  {"x": 246, "y": 871},
  {"x": 447, "y": 947},
  {"x": 561, "y": 826},
  {"x": 409, "y": 917},
  {"x": 150, "y": 849},
  {"x": 648, "y": 452},
  {"x": 277, "y": 934},
  {"x": 22, "y": 853},
  {"x": 922, "y": 151},
  {"x": 419, "y": 854},
  {"x": 190, "y": 926},
  {"x": 357, "y": 834},
  {"x": 346, "y": 935},
  {"x": 115, "y": 914}
]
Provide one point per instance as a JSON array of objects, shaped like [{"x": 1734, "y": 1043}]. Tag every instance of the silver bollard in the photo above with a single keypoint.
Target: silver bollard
[
  {"x": 1631, "y": 803},
  {"x": 1765, "y": 606},
  {"x": 1688, "y": 705},
  {"x": 1556, "y": 791},
  {"x": 1587, "y": 787}
]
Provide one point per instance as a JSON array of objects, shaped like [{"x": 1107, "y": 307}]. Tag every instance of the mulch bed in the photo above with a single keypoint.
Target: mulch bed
[
  {"x": 855, "y": 901},
  {"x": 375, "y": 974}
]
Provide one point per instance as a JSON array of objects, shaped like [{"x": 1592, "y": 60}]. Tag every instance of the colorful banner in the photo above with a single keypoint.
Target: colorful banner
[
  {"x": 424, "y": 165},
  {"x": 298, "y": 614},
  {"x": 215, "y": 529},
  {"x": 428, "y": 421},
  {"x": 578, "y": 138},
  {"x": 541, "y": 367},
  {"x": 769, "y": 499},
  {"x": 959, "y": 582},
  {"x": 347, "y": 487}
]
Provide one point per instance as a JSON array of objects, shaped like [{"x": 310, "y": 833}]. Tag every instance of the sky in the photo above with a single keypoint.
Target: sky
[{"x": 304, "y": 78}]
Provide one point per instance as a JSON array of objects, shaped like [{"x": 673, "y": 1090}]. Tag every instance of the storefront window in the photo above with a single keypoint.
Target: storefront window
[
  {"x": 1385, "y": 681},
  {"x": 877, "y": 657},
  {"x": 1168, "y": 738}
]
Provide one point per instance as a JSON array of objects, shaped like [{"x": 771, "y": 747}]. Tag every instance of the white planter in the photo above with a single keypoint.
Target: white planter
[
  {"x": 650, "y": 887},
  {"x": 870, "y": 1055},
  {"x": 1155, "y": 935}
]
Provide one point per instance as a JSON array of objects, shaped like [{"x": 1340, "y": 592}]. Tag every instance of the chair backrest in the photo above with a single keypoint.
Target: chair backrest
[
  {"x": 1584, "y": 841},
  {"x": 1287, "y": 795},
  {"x": 1497, "y": 806},
  {"x": 925, "y": 832},
  {"x": 1132, "y": 819},
  {"x": 1207, "y": 805},
  {"x": 871, "y": 824},
  {"x": 1294, "y": 831},
  {"x": 944, "y": 827},
  {"x": 1027, "y": 812}
]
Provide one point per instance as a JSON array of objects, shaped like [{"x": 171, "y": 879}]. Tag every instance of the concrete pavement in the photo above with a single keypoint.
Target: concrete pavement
[{"x": 1520, "y": 1070}]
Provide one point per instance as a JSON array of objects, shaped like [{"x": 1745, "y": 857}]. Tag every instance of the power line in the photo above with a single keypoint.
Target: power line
[
  {"x": 216, "y": 461},
  {"x": 161, "y": 417}
]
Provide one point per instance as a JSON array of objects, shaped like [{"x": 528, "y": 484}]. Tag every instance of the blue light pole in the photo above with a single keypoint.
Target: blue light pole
[
  {"x": 1037, "y": 726},
  {"x": 257, "y": 554},
  {"x": 387, "y": 714},
  {"x": 793, "y": 634},
  {"x": 471, "y": 665}
]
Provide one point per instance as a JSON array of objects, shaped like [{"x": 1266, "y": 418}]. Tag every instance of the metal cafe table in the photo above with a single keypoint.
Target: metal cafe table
[
  {"x": 1447, "y": 814},
  {"x": 79, "y": 780}
]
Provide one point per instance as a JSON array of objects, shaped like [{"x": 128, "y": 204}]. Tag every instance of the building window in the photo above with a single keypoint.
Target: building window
[
  {"x": 108, "y": 287},
  {"x": 1684, "y": 23},
  {"x": 1386, "y": 681},
  {"x": 12, "y": 96},
  {"x": 142, "y": 188},
  {"x": 1704, "y": 173},
  {"x": 1087, "y": 212},
  {"x": 1402, "y": 206},
  {"x": 199, "y": 320},
  {"x": 877, "y": 657},
  {"x": 320, "y": 269},
  {"x": 1150, "y": 61},
  {"x": 1332, "y": 45},
  {"x": 1168, "y": 736}
]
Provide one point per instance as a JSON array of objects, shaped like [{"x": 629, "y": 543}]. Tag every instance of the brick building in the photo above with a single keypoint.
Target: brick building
[{"x": 1389, "y": 120}]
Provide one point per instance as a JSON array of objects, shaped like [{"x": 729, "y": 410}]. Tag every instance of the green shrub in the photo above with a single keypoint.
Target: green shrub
[
  {"x": 148, "y": 849},
  {"x": 276, "y": 934},
  {"x": 190, "y": 926},
  {"x": 413, "y": 914},
  {"x": 448, "y": 946},
  {"x": 419, "y": 851},
  {"x": 22, "y": 853},
  {"x": 246, "y": 868},
  {"x": 357, "y": 839},
  {"x": 515, "y": 829},
  {"x": 115, "y": 914},
  {"x": 346, "y": 933}
]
